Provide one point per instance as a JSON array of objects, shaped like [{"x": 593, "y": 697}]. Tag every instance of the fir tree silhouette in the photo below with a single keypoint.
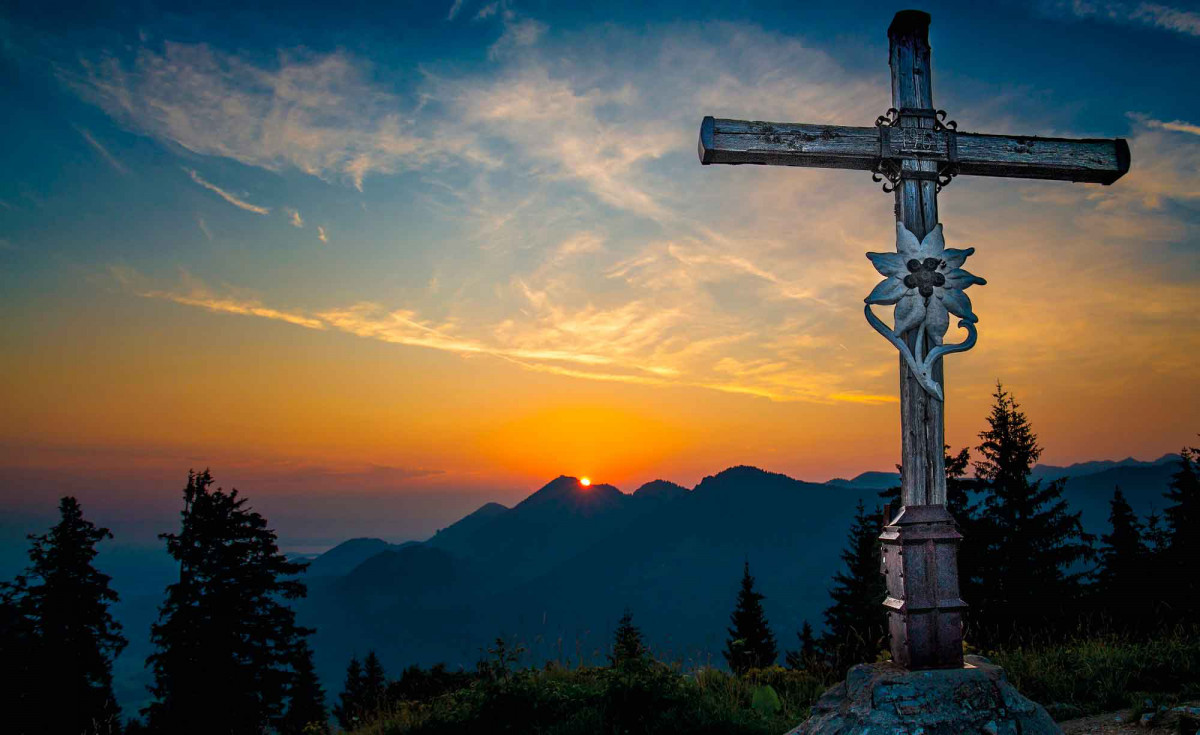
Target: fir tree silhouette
[
  {"x": 62, "y": 605},
  {"x": 1182, "y": 553},
  {"x": 1156, "y": 534},
  {"x": 374, "y": 689},
  {"x": 1120, "y": 576},
  {"x": 856, "y": 618},
  {"x": 349, "y": 709},
  {"x": 751, "y": 645},
  {"x": 807, "y": 657},
  {"x": 225, "y": 637},
  {"x": 306, "y": 713},
  {"x": 1156, "y": 573},
  {"x": 18, "y": 651},
  {"x": 1030, "y": 541},
  {"x": 628, "y": 645}
]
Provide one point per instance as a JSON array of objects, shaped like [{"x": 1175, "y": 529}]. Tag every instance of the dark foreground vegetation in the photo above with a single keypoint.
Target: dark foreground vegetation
[
  {"x": 1080, "y": 626},
  {"x": 1080, "y": 676}
]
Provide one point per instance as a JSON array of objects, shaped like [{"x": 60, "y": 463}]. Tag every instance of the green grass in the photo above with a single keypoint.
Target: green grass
[{"x": 1105, "y": 673}]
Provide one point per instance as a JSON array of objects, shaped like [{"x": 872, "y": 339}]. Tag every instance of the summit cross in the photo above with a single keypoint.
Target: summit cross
[{"x": 915, "y": 152}]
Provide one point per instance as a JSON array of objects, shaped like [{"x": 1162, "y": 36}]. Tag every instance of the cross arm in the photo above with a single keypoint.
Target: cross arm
[{"x": 1101, "y": 161}]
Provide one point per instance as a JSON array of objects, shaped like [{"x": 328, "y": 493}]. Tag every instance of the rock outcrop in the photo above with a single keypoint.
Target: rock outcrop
[{"x": 885, "y": 699}]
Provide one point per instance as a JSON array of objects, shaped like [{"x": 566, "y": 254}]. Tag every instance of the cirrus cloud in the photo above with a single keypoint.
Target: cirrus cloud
[{"x": 318, "y": 113}]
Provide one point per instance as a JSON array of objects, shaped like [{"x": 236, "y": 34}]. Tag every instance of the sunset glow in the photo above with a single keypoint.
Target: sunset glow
[{"x": 427, "y": 275}]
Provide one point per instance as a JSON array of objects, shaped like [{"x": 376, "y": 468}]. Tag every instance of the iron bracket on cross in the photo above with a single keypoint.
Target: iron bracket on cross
[{"x": 936, "y": 142}]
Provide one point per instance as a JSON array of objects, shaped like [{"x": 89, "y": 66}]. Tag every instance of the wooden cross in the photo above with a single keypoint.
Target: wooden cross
[{"x": 915, "y": 152}]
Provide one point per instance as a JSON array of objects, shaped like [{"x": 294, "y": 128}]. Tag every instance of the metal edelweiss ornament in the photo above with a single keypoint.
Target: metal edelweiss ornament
[{"x": 926, "y": 282}]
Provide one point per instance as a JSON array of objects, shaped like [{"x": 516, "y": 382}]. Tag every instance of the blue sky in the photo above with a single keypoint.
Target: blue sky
[{"x": 320, "y": 240}]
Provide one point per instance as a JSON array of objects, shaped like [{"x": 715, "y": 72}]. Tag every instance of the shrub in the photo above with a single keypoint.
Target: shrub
[
  {"x": 1112, "y": 671},
  {"x": 639, "y": 697}
]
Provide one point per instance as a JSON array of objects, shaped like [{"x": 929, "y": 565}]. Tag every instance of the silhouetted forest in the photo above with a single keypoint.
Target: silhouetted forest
[{"x": 229, "y": 655}]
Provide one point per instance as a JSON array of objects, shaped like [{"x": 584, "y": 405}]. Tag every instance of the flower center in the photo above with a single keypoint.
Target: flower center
[{"x": 923, "y": 275}]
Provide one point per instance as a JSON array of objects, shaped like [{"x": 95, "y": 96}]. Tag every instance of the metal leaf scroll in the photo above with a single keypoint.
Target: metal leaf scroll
[{"x": 926, "y": 282}]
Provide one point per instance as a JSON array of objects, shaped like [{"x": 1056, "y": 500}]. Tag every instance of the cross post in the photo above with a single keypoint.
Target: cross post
[{"x": 915, "y": 152}]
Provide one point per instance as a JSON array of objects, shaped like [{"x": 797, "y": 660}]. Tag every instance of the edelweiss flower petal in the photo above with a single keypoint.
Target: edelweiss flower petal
[
  {"x": 888, "y": 291},
  {"x": 933, "y": 244},
  {"x": 961, "y": 279},
  {"x": 906, "y": 242},
  {"x": 910, "y": 312},
  {"x": 937, "y": 320},
  {"x": 955, "y": 257},
  {"x": 889, "y": 264},
  {"x": 959, "y": 304}
]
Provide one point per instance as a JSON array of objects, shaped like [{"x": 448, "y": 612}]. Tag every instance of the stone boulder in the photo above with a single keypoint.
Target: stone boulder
[{"x": 885, "y": 699}]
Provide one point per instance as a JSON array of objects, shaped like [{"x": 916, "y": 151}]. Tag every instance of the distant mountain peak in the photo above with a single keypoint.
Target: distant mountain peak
[
  {"x": 741, "y": 470},
  {"x": 658, "y": 493},
  {"x": 568, "y": 491},
  {"x": 660, "y": 487},
  {"x": 487, "y": 509},
  {"x": 349, "y": 554},
  {"x": 1081, "y": 469},
  {"x": 733, "y": 479}
]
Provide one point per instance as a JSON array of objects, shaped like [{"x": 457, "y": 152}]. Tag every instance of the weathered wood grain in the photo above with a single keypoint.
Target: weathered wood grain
[
  {"x": 922, "y": 420},
  {"x": 1089, "y": 160}
]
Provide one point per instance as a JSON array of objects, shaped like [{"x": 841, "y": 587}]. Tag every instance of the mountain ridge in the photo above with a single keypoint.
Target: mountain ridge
[{"x": 670, "y": 553}]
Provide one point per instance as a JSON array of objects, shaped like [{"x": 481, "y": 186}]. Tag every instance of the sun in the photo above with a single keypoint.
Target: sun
[{"x": 585, "y": 481}]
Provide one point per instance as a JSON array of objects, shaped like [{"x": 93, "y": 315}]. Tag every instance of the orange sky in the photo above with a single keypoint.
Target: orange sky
[{"x": 515, "y": 268}]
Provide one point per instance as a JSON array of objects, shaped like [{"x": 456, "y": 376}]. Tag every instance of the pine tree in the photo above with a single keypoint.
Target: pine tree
[
  {"x": 1156, "y": 535},
  {"x": 374, "y": 686},
  {"x": 856, "y": 620},
  {"x": 1029, "y": 538},
  {"x": 751, "y": 644},
  {"x": 1183, "y": 528},
  {"x": 18, "y": 651},
  {"x": 306, "y": 713},
  {"x": 349, "y": 709},
  {"x": 1122, "y": 561},
  {"x": 62, "y": 604},
  {"x": 1155, "y": 573},
  {"x": 807, "y": 658},
  {"x": 961, "y": 492},
  {"x": 628, "y": 645},
  {"x": 225, "y": 638}
]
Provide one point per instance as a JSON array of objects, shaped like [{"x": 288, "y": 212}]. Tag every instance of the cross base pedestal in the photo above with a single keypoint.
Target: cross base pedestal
[
  {"x": 975, "y": 698},
  {"x": 920, "y": 560}
]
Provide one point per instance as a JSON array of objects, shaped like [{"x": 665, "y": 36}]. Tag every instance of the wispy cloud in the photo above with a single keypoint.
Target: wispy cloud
[
  {"x": 518, "y": 33},
  {"x": 203, "y": 227},
  {"x": 321, "y": 114},
  {"x": 235, "y": 201},
  {"x": 601, "y": 250},
  {"x": 108, "y": 157},
  {"x": 294, "y": 218},
  {"x": 195, "y": 293},
  {"x": 1172, "y": 19},
  {"x": 1165, "y": 169},
  {"x": 1151, "y": 14},
  {"x": 621, "y": 338},
  {"x": 1178, "y": 126}
]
